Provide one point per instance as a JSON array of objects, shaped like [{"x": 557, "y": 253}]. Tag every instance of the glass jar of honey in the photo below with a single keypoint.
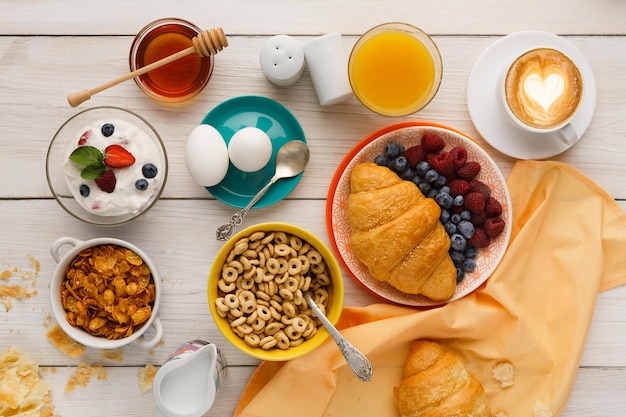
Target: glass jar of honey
[{"x": 179, "y": 80}]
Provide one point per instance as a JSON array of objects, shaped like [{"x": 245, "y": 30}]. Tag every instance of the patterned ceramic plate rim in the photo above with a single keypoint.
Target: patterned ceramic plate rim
[{"x": 409, "y": 134}]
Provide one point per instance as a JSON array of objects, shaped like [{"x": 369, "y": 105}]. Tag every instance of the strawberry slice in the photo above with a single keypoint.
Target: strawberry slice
[
  {"x": 115, "y": 156},
  {"x": 107, "y": 181}
]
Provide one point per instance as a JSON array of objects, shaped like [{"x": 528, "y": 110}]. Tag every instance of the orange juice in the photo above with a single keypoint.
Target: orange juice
[{"x": 393, "y": 73}]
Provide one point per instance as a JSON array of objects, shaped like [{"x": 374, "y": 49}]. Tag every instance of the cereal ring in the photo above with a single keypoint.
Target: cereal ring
[
  {"x": 263, "y": 312},
  {"x": 220, "y": 304},
  {"x": 320, "y": 296},
  {"x": 247, "y": 283},
  {"x": 314, "y": 257},
  {"x": 245, "y": 328},
  {"x": 267, "y": 344},
  {"x": 258, "y": 326},
  {"x": 322, "y": 279},
  {"x": 241, "y": 246},
  {"x": 318, "y": 268},
  {"x": 282, "y": 249},
  {"x": 237, "y": 265},
  {"x": 291, "y": 284},
  {"x": 304, "y": 261},
  {"x": 250, "y": 254},
  {"x": 292, "y": 333},
  {"x": 277, "y": 305},
  {"x": 231, "y": 301},
  {"x": 306, "y": 246},
  {"x": 289, "y": 309},
  {"x": 246, "y": 295},
  {"x": 252, "y": 339},
  {"x": 251, "y": 318},
  {"x": 275, "y": 314},
  {"x": 248, "y": 306},
  {"x": 273, "y": 328},
  {"x": 245, "y": 264},
  {"x": 257, "y": 236},
  {"x": 298, "y": 298},
  {"x": 284, "y": 265},
  {"x": 285, "y": 294},
  {"x": 230, "y": 274},
  {"x": 268, "y": 238},
  {"x": 262, "y": 259},
  {"x": 261, "y": 295},
  {"x": 307, "y": 284},
  {"x": 272, "y": 265},
  {"x": 281, "y": 238},
  {"x": 310, "y": 331},
  {"x": 295, "y": 242},
  {"x": 235, "y": 312},
  {"x": 295, "y": 266},
  {"x": 272, "y": 288},
  {"x": 299, "y": 324},
  {"x": 282, "y": 278},
  {"x": 226, "y": 287},
  {"x": 297, "y": 342},
  {"x": 238, "y": 322},
  {"x": 282, "y": 340}
]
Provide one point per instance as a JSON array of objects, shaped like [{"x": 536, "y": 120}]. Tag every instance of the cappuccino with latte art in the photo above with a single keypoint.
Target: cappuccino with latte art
[{"x": 543, "y": 88}]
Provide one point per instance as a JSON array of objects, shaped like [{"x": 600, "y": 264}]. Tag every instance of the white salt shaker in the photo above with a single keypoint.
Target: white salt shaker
[
  {"x": 327, "y": 61},
  {"x": 282, "y": 60}
]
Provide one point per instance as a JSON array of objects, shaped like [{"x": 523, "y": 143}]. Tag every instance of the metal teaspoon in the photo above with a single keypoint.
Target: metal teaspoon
[
  {"x": 358, "y": 363},
  {"x": 291, "y": 160}
]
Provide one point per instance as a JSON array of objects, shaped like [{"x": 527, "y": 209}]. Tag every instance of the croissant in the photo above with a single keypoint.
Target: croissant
[
  {"x": 436, "y": 384},
  {"x": 397, "y": 234}
]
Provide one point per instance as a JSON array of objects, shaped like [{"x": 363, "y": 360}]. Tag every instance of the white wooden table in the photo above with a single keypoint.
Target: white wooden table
[{"x": 51, "y": 48}]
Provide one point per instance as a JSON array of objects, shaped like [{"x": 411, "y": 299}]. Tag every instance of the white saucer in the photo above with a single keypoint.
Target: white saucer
[{"x": 490, "y": 119}]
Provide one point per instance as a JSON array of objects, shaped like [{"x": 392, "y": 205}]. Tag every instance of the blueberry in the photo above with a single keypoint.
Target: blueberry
[
  {"x": 444, "y": 188},
  {"x": 393, "y": 150},
  {"x": 458, "y": 242},
  {"x": 141, "y": 184},
  {"x": 408, "y": 175},
  {"x": 432, "y": 193},
  {"x": 400, "y": 164},
  {"x": 466, "y": 215},
  {"x": 381, "y": 160},
  {"x": 444, "y": 200},
  {"x": 450, "y": 228},
  {"x": 457, "y": 257},
  {"x": 455, "y": 218},
  {"x": 107, "y": 129},
  {"x": 431, "y": 175},
  {"x": 471, "y": 252},
  {"x": 84, "y": 190},
  {"x": 469, "y": 264},
  {"x": 458, "y": 200},
  {"x": 444, "y": 217},
  {"x": 416, "y": 180},
  {"x": 441, "y": 181},
  {"x": 424, "y": 187},
  {"x": 422, "y": 168},
  {"x": 466, "y": 228},
  {"x": 459, "y": 275},
  {"x": 149, "y": 170}
]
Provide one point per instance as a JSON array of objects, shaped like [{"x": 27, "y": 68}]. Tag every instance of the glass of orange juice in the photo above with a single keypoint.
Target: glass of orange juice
[{"x": 395, "y": 69}]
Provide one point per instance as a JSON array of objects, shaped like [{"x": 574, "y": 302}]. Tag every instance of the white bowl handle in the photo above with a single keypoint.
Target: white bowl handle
[
  {"x": 158, "y": 335},
  {"x": 62, "y": 241}
]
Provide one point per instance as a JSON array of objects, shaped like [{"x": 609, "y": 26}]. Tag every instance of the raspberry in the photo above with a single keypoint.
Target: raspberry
[
  {"x": 478, "y": 219},
  {"x": 479, "y": 240},
  {"x": 84, "y": 138},
  {"x": 415, "y": 155},
  {"x": 481, "y": 187},
  {"x": 107, "y": 181},
  {"x": 493, "y": 208},
  {"x": 494, "y": 226},
  {"x": 459, "y": 187},
  {"x": 442, "y": 163},
  {"x": 469, "y": 171},
  {"x": 432, "y": 143},
  {"x": 474, "y": 202},
  {"x": 459, "y": 154}
]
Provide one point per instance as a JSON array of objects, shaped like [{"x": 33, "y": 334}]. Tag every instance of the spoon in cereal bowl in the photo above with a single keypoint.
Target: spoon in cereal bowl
[
  {"x": 358, "y": 363},
  {"x": 291, "y": 160}
]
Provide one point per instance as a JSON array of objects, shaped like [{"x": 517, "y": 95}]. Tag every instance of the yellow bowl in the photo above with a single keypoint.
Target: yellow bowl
[{"x": 335, "y": 298}]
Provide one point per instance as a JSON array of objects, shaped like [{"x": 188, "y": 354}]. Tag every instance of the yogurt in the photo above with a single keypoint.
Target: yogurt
[{"x": 135, "y": 185}]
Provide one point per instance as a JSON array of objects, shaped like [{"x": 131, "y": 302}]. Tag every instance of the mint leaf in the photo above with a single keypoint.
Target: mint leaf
[
  {"x": 87, "y": 155},
  {"x": 93, "y": 171}
]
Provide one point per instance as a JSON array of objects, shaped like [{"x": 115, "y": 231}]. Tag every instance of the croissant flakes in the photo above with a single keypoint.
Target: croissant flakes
[
  {"x": 397, "y": 234},
  {"x": 436, "y": 384}
]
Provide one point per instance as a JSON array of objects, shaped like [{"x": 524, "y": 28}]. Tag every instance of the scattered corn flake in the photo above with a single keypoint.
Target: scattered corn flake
[
  {"x": 112, "y": 354},
  {"x": 64, "y": 343},
  {"x": 22, "y": 391},
  {"x": 6, "y": 274},
  {"x": 145, "y": 377},
  {"x": 504, "y": 373},
  {"x": 82, "y": 376},
  {"x": 541, "y": 409}
]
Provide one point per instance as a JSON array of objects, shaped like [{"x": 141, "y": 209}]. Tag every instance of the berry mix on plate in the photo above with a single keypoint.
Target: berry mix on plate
[
  {"x": 469, "y": 213},
  {"x": 112, "y": 168}
]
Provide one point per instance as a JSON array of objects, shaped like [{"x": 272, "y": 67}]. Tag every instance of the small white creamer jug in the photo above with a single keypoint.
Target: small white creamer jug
[{"x": 186, "y": 385}]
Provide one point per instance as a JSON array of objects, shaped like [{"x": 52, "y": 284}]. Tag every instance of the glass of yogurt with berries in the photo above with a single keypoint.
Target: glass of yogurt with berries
[{"x": 106, "y": 166}]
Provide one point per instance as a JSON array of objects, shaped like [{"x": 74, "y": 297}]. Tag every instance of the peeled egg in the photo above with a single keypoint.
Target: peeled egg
[
  {"x": 250, "y": 149},
  {"x": 207, "y": 155}
]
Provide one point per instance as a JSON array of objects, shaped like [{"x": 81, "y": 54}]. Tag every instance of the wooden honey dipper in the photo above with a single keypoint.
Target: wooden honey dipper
[{"x": 208, "y": 42}]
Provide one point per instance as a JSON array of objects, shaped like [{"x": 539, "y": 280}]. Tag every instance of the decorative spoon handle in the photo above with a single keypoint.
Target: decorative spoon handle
[{"x": 358, "y": 363}]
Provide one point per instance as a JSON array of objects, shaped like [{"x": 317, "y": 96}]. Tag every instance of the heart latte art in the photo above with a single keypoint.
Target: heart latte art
[{"x": 543, "y": 88}]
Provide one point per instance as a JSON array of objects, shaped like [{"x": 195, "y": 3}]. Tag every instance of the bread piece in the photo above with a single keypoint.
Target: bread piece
[
  {"x": 435, "y": 383},
  {"x": 397, "y": 234}
]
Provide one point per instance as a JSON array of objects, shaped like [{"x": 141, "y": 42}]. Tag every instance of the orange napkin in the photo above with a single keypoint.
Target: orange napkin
[{"x": 568, "y": 243}]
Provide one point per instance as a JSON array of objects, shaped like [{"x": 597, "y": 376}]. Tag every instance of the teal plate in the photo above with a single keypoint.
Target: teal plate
[{"x": 239, "y": 187}]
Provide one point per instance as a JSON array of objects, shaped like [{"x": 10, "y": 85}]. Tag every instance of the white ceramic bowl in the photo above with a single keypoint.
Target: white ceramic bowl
[{"x": 78, "y": 334}]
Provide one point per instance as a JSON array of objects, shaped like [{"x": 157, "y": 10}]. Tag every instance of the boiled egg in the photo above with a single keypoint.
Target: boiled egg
[
  {"x": 207, "y": 155},
  {"x": 249, "y": 149}
]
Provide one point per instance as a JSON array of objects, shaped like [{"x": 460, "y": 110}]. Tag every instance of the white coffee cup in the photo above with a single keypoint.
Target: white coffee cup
[
  {"x": 81, "y": 336},
  {"x": 541, "y": 91}
]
